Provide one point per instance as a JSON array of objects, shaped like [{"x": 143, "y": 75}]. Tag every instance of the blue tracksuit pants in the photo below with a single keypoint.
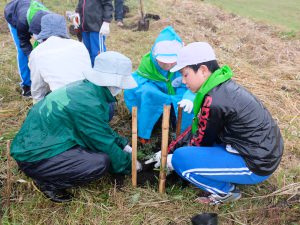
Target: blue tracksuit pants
[
  {"x": 22, "y": 59},
  {"x": 94, "y": 44},
  {"x": 213, "y": 169}
]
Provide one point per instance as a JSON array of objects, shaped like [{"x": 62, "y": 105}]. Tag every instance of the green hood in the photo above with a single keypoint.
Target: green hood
[{"x": 148, "y": 70}]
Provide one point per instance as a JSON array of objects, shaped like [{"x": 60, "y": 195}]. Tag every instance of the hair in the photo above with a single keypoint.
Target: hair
[{"x": 211, "y": 65}]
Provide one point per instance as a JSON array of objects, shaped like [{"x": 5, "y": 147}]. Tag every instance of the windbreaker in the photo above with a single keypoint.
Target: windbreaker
[
  {"x": 93, "y": 13},
  {"x": 76, "y": 114},
  {"x": 152, "y": 94},
  {"x": 231, "y": 115},
  {"x": 15, "y": 13}
]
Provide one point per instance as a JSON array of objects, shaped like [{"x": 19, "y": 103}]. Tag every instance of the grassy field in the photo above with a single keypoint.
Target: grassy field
[
  {"x": 280, "y": 13},
  {"x": 264, "y": 60}
]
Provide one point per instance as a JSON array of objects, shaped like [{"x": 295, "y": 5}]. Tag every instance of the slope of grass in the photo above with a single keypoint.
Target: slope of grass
[
  {"x": 281, "y": 13},
  {"x": 263, "y": 61}
]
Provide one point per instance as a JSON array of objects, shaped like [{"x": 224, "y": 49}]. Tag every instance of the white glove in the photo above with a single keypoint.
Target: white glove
[
  {"x": 139, "y": 166},
  {"x": 177, "y": 82},
  {"x": 157, "y": 158},
  {"x": 127, "y": 149},
  {"x": 187, "y": 105},
  {"x": 104, "y": 30},
  {"x": 75, "y": 18}
]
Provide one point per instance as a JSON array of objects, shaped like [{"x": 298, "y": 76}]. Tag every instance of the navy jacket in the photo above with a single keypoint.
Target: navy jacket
[
  {"x": 93, "y": 13},
  {"x": 15, "y": 13},
  {"x": 232, "y": 115}
]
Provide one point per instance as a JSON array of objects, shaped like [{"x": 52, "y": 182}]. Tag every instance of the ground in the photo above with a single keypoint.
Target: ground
[{"x": 265, "y": 59}]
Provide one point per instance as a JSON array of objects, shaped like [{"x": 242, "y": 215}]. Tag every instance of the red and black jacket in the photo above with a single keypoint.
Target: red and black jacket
[{"x": 232, "y": 115}]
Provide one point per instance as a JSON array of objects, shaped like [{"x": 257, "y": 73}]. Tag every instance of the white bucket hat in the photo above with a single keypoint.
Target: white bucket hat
[
  {"x": 53, "y": 24},
  {"x": 111, "y": 69},
  {"x": 194, "y": 53}
]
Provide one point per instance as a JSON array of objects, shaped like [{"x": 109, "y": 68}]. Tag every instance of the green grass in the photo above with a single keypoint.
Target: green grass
[{"x": 281, "y": 13}]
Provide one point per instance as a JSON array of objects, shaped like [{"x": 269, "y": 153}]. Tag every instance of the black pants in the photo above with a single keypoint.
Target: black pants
[{"x": 74, "y": 167}]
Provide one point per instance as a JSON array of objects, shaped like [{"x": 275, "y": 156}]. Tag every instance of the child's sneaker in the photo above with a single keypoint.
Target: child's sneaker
[
  {"x": 215, "y": 199},
  {"x": 26, "y": 91}
]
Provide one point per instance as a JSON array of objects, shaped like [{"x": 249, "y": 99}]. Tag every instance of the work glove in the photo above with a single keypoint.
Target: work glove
[
  {"x": 187, "y": 105},
  {"x": 177, "y": 82},
  {"x": 104, "y": 30},
  {"x": 139, "y": 166},
  {"x": 127, "y": 149},
  {"x": 75, "y": 18},
  {"x": 157, "y": 159}
]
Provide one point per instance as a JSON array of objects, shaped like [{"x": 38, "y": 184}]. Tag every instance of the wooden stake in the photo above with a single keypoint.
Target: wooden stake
[
  {"x": 8, "y": 178},
  {"x": 164, "y": 148},
  {"x": 134, "y": 147},
  {"x": 179, "y": 119}
]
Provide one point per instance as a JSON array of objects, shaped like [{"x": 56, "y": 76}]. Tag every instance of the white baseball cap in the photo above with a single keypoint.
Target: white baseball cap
[
  {"x": 194, "y": 53},
  {"x": 166, "y": 51}
]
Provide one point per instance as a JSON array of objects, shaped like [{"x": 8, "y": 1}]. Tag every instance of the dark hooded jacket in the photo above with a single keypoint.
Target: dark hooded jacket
[
  {"x": 15, "y": 14},
  {"x": 93, "y": 13},
  {"x": 233, "y": 116}
]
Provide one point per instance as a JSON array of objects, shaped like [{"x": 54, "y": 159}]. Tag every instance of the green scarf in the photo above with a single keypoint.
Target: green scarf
[
  {"x": 34, "y": 7},
  {"x": 32, "y": 10},
  {"x": 148, "y": 70},
  {"x": 219, "y": 76}
]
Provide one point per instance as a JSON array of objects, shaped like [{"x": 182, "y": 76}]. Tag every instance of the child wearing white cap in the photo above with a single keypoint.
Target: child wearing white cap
[
  {"x": 158, "y": 86},
  {"x": 233, "y": 138}
]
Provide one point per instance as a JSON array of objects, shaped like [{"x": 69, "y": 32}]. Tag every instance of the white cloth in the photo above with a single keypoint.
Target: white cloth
[
  {"x": 139, "y": 166},
  {"x": 104, "y": 30},
  {"x": 187, "y": 105},
  {"x": 157, "y": 159},
  {"x": 114, "y": 90},
  {"x": 55, "y": 63},
  {"x": 74, "y": 18},
  {"x": 127, "y": 149}
]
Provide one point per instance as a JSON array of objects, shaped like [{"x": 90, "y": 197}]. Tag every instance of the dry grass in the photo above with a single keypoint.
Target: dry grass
[{"x": 264, "y": 61}]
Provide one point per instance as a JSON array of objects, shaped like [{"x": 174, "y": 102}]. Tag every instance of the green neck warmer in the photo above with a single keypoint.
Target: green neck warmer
[
  {"x": 148, "y": 70},
  {"x": 33, "y": 9},
  {"x": 219, "y": 76}
]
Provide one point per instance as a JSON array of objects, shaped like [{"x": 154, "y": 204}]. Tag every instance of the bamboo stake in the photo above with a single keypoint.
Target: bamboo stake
[
  {"x": 179, "y": 119},
  {"x": 164, "y": 149},
  {"x": 8, "y": 178},
  {"x": 134, "y": 147}
]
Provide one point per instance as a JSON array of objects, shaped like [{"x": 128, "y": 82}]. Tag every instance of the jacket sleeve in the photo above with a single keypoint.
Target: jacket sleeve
[
  {"x": 98, "y": 136},
  {"x": 24, "y": 38},
  {"x": 107, "y": 10},
  {"x": 79, "y": 7},
  {"x": 181, "y": 141}
]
